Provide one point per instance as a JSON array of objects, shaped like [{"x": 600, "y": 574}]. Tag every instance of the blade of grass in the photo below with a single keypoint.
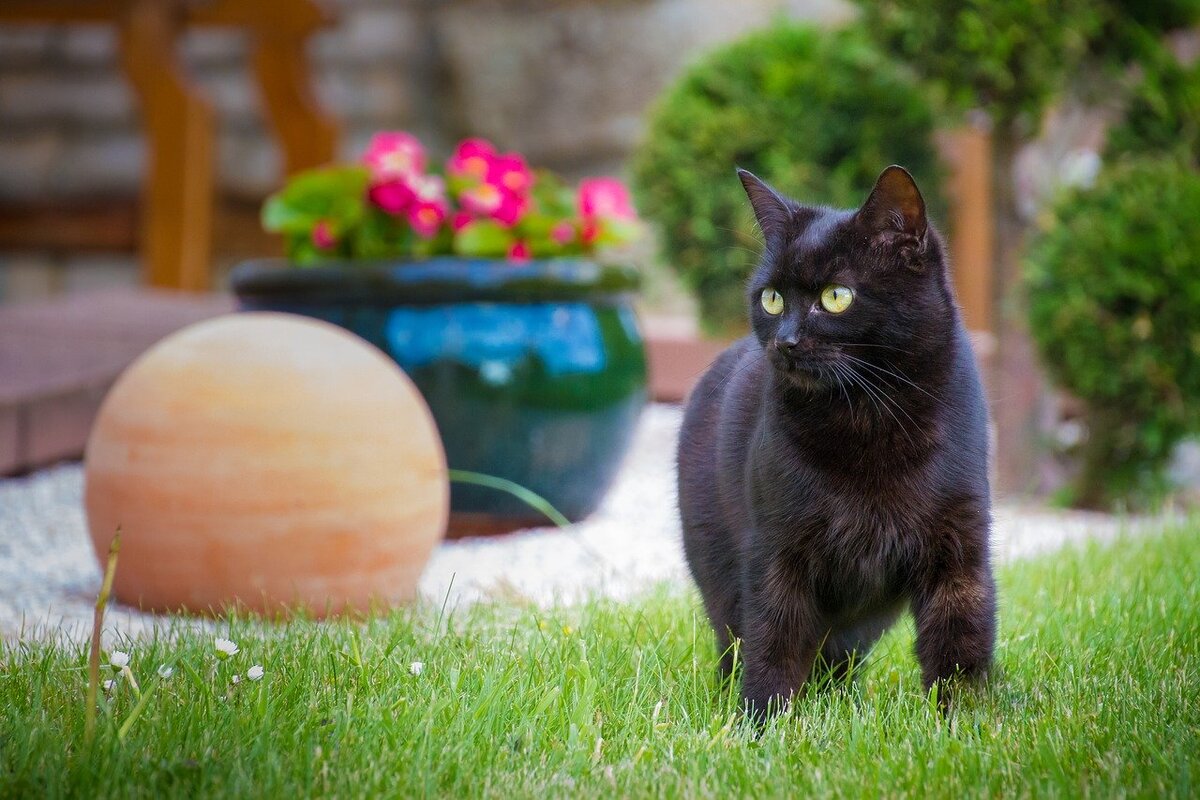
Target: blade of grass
[
  {"x": 529, "y": 498},
  {"x": 93, "y": 691},
  {"x": 137, "y": 711}
]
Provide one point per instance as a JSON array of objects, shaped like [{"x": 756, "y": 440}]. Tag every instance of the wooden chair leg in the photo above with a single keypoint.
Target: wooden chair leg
[
  {"x": 178, "y": 198},
  {"x": 308, "y": 135}
]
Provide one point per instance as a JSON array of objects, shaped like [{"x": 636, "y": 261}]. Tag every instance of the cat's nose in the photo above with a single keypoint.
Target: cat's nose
[{"x": 790, "y": 345}]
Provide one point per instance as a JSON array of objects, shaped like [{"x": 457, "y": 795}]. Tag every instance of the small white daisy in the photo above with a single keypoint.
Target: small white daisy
[
  {"x": 236, "y": 678},
  {"x": 416, "y": 667},
  {"x": 165, "y": 671},
  {"x": 255, "y": 673},
  {"x": 108, "y": 685},
  {"x": 118, "y": 660},
  {"x": 225, "y": 648}
]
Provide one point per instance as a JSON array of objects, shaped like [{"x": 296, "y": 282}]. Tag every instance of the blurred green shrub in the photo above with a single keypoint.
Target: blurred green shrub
[
  {"x": 1008, "y": 58},
  {"x": 816, "y": 113},
  {"x": 1114, "y": 306},
  {"x": 1011, "y": 58},
  {"x": 1163, "y": 114}
]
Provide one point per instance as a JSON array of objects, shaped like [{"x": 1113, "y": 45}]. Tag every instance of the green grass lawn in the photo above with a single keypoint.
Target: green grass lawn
[{"x": 1097, "y": 693}]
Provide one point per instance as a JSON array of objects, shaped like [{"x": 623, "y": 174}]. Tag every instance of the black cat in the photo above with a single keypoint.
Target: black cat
[{"x": 833, "y": 465}]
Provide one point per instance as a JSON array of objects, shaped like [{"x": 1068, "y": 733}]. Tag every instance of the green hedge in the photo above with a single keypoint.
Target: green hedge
[
  {"x": 1163, "y": 115},
  {"x": 1114, "y": 305},
  {"x": 817, "y": 113}
]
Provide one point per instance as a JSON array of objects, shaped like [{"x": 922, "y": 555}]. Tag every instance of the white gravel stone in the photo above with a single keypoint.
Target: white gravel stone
[{"x": 49, "y": 574}]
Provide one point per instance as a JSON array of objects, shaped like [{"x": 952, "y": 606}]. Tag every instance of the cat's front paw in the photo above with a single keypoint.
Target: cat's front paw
[
  {"x": 948, "y": 691},
  {"x": 761, "y": 703}
]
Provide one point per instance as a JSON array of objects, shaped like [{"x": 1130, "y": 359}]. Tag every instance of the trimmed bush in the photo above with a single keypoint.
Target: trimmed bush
[
  {"x": 816, "y": 113},
  {"x": 1163, "y": 115},
  {"x": 1114, "y": 305}
]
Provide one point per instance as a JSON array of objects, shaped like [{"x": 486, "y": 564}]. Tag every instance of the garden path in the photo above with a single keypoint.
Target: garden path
[{"x": 49, "y": 576}]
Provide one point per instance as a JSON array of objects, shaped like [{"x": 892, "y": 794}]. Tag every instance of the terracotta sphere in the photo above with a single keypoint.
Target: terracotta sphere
[{"x": 266, "y": 461}]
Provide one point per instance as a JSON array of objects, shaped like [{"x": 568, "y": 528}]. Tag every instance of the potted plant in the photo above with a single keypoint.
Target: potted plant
[{"x": 482, "y": 282}]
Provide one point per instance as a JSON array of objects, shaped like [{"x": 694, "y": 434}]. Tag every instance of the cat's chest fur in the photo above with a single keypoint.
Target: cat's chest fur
[{"x": 854, "y": 538}]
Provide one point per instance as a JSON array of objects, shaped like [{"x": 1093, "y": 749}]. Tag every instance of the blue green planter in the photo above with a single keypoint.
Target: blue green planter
[{"x": 535, "y": 372}]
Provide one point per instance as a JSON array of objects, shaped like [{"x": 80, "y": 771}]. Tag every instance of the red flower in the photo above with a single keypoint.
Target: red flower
[
  {"x": 589, "y": 230},
  {"x": 322, "y": 235},
  {"x": 426, "y": 218},
  {"x": 519, "y": 251},
  {"x": 394, "y": 196}
]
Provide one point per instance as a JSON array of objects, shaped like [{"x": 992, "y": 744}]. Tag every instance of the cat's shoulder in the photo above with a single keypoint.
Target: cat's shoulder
[{"x": 717, "y": 378}]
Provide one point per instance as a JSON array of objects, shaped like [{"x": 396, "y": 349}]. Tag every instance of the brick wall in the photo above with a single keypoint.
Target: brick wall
[{"x": 566, "y": 82}]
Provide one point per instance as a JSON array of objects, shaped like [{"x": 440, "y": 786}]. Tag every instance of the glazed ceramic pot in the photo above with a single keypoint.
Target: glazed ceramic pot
[{"x": 534, "y": 372}]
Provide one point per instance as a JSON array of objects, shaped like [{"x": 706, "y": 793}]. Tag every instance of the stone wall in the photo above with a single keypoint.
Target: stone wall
[{"x": 565, "y": 81}]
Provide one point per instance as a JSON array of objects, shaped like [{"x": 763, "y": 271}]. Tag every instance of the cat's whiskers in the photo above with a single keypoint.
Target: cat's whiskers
[
  {"x": 841, "y": 384},
  {"x": 897, "y": 374},
  {"x": 886, "y": 402},
  {"x": 871, "y": 344},
  {"x": 875, "y": 383},
  {"x": 758, "y": 237}
]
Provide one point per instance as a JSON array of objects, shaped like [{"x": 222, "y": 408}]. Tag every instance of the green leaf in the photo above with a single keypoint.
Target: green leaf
[
  {"x": 617, "y": 232},
  {"x": 483, "y": 238},
  {"x": 336, "y": 194}
]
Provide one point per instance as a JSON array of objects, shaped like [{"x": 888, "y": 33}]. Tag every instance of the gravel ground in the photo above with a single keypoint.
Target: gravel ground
[{"x": 49, "y": 576}]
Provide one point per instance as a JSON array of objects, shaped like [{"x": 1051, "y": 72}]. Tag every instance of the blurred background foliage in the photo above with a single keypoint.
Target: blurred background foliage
[
  {"x": 1113, "y": 282},
  {"x": 1113, "y": 271},
  {"x": 816, "y": 113},
  {"x": 1163, "y": 114}
]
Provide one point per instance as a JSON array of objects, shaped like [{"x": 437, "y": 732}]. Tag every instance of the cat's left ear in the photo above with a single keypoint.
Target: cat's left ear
[{"x": 895, "y": 210}]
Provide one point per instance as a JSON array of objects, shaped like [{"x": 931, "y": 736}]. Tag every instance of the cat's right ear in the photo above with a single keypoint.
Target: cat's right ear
[{"x": 770, "y": 209}]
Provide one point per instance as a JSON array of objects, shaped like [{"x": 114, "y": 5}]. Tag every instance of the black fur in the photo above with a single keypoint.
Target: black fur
[{"x": 833, "y": 467}]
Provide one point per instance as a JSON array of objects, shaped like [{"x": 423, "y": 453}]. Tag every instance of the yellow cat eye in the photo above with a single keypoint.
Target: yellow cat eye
[
  {"x": 836, "y": 299},
  {"x": 772, "y": 301}
]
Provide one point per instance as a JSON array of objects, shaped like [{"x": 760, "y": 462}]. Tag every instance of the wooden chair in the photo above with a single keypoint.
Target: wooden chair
[{"x": 178, "y": 197}]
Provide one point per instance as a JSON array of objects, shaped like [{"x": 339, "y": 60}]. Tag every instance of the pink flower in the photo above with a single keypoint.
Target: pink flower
[
  {"x": 393, "y": 196},
  {"x": 519, "y": 251},
  {"x": 605, "y": 197},
  {"x": 427, "y": 188},
  {"x": 512, "y": 207},
  {"x": 394, "y": 154},
  {"x": 510, "y": 173},
  {"x": 487, "y": 200},
  {"x": 471, "y": 159},
  {"x": 322, "y": 235},
  {"x": 482, "y": 200},
  {"x": 563, "y": 233},
  {"x": 461, "y": 220},
  {"x": 427, "y": 217}
]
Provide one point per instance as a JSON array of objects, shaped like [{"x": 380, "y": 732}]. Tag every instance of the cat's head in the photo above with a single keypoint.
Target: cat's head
[{"x": 838, "y": 285}]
